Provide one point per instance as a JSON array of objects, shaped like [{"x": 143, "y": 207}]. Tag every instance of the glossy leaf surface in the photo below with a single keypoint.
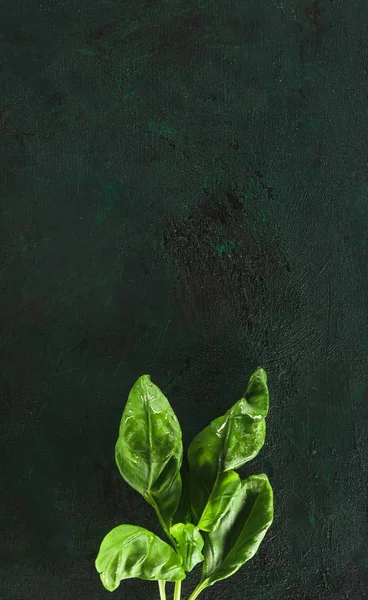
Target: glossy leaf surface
[
  {"x": 240, "y": 533},
  {"x": 183, "y": 512},
  {"x": 220, "y": 500},
  {"x": 225, "y": 444},
  {"x": 149, "y": 449},
  {"x": 129, "y": 551},
  {"x": 190, "y": 543}
]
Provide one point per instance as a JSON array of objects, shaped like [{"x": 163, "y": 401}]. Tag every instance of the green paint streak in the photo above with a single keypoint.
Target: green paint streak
[
  {"x": 224, "y": 247},
  {"x": 86, "y": 52},
  {"x": 162, "y": 129},
  {"x": 311, "y": 520}
]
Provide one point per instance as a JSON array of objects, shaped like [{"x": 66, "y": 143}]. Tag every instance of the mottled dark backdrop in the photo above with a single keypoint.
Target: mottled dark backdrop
[{"x": 184, "y": 193}]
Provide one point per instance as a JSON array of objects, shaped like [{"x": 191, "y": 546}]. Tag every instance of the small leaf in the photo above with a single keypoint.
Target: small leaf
[
  {"x": 227, "y": 443},
  {"x": 190, "y": 544},
  {"x": 149, "y": 448},
  {"x": 130, "y": 551},
  {"x": 240, "y": 533}
]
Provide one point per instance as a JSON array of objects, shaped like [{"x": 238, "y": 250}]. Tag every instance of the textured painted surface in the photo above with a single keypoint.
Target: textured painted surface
[{"x": 183, "y": 192}]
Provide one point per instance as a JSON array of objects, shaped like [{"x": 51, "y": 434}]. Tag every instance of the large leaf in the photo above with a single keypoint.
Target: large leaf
[
  {"x": 240, "y": 533},
  {"x": 190, "y": 544},
  {"x": 149, "y": 448},
  {"x": 130, "y": 551},
  {"x": 225, "y": 444}
]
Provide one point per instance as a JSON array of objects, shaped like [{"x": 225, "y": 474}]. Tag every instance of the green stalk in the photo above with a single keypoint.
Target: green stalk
[
  {"x": 177, "y": 590},
  {"x": 161, "y": 586},
  {"x": 162, "y": 522},
  {"x": 200, "y": 587}
]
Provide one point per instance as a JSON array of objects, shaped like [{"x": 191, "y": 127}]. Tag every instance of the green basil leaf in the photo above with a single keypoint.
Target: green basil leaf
[
  {"x": 240, "y": 533},
  {"x": 227, "y": 443},
  {"x": 130, "y": 551},
  {"x": 183, "y": 512},
  {"x": 190, "y": 543},
  {"x": 219, "y": 502},
  {"x": 149, "y": 448}
]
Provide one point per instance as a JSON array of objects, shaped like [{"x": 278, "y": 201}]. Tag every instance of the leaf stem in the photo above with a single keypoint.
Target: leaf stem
[
  {"x": 161, "y": 586},
  {"x": 162, "y": 522},
  {"x": 200, "y": 587},
  {"x": 177, "y": 590},
  {"x": 163, "y": 525}
]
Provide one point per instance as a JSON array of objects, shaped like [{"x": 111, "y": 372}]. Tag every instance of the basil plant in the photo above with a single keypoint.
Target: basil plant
[{"x": 208, "y": 513}]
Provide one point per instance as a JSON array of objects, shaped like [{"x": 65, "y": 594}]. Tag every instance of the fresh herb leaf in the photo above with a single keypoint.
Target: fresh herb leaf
[
  {"x": 149, "y": 449},
  {"x": 190, "y": 544},
  {"x": 240, "y": 533},
  {"x": 130, "y": 551},
  {"x": 243, "y": 528},
  {"x": 225, "y": 444}
]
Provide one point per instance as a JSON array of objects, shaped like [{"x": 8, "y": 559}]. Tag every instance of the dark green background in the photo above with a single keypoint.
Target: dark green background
[{"x": 183, "y": 193}]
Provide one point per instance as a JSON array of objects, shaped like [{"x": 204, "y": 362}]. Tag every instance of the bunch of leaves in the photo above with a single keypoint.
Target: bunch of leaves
[{"x": 208, "y": 513}]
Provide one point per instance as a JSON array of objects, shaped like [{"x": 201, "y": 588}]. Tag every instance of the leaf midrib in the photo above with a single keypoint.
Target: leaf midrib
[{"x": 149, "y": 435}]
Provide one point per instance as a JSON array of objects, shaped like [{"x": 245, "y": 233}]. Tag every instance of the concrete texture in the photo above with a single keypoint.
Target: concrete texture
[{"x": 183, "y": 193}]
